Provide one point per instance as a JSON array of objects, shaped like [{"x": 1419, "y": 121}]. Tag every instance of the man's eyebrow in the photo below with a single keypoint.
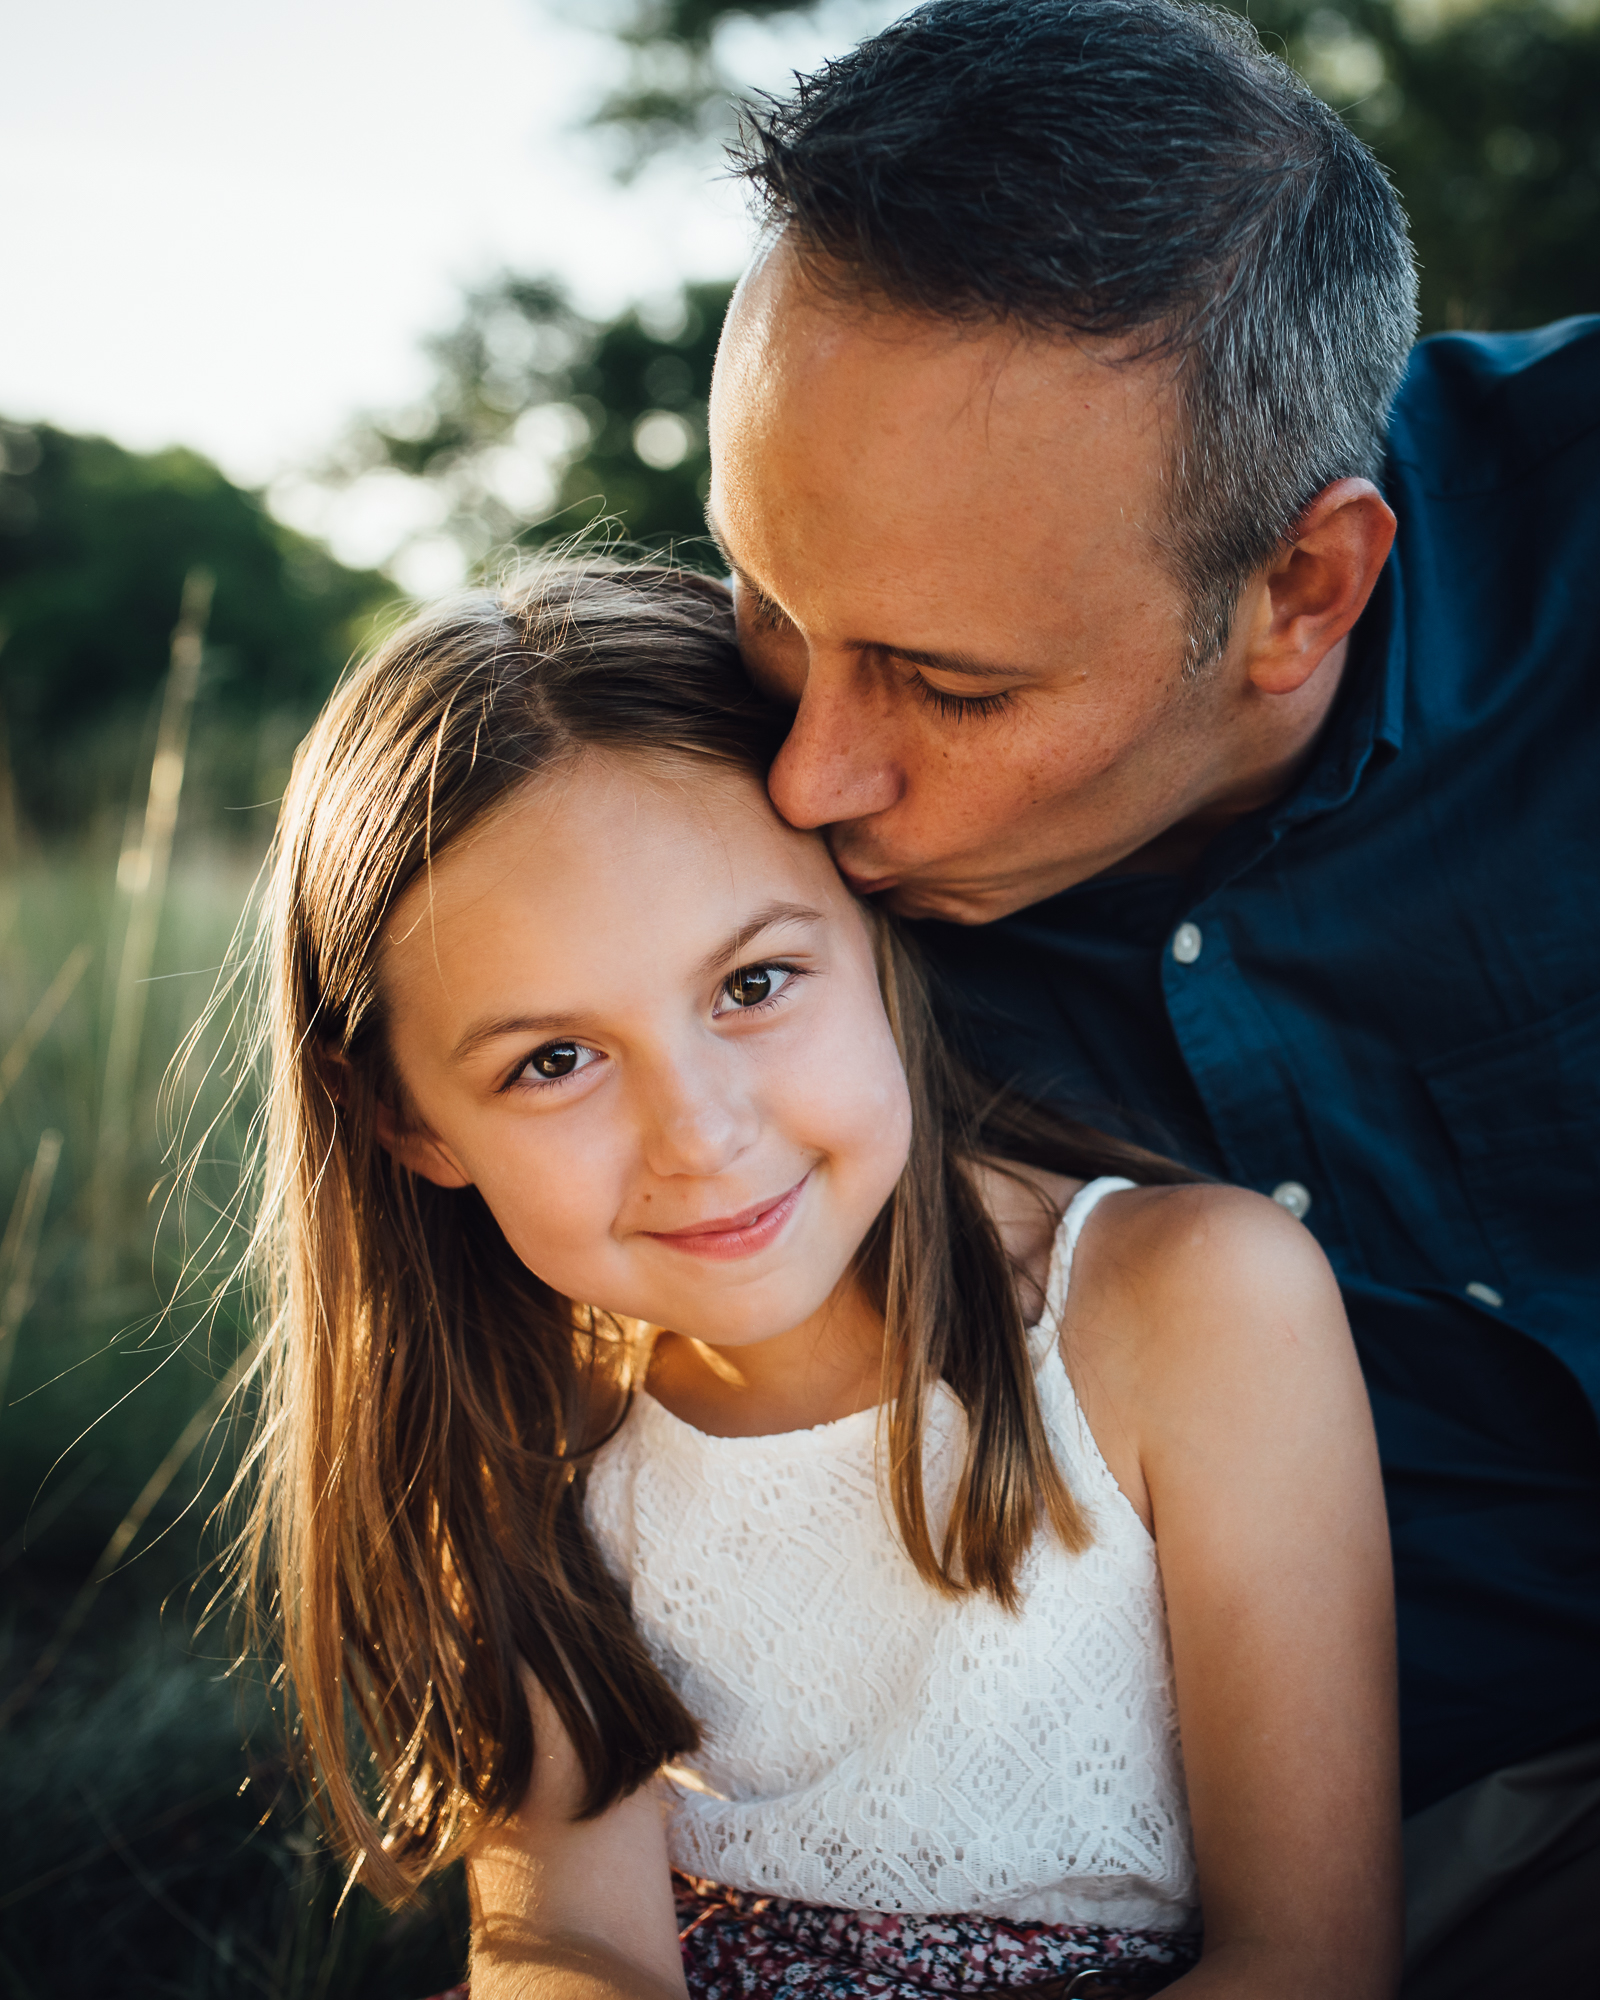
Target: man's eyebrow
[
  {"x": 916, "y": 656},
  {"x": 769, "y": 917},
  {"x": 722, "y": 548},
  {"x": 717, "y": 536},
  {"x": 949, "y": 663},
  {"x": 765, "y": 603}
]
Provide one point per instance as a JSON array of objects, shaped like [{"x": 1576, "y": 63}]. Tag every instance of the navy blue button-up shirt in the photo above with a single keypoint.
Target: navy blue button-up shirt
[{"x": 1383, "y": 993}]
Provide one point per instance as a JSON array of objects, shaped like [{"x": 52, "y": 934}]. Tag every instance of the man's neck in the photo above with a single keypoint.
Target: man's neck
[{"x": 1177, "y": 848}]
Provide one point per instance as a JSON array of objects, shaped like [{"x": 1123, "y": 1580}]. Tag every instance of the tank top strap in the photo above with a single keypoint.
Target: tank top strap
[{"x": 1082, "y": 1205}]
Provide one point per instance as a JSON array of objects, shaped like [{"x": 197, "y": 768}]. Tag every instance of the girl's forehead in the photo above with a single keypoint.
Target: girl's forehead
[
  {"x": 601, "y": 801},
  {"x": 617, "y": 828}
]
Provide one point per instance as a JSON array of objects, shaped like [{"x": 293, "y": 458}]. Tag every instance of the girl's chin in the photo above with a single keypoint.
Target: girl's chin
[{"x": 751, "y": 1322}]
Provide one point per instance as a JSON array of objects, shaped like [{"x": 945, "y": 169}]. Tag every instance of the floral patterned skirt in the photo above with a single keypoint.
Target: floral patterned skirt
[{"x": 742, "y": 1947}]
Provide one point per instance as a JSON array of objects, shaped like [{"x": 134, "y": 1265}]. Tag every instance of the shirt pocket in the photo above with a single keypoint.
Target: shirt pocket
[{"x": 1523, "y": 1113}]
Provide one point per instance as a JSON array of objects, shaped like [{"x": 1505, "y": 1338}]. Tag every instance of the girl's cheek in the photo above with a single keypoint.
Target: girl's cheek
[
  {"x": 890, "y": 1132},
  {"x": 556, "y": 1212},
  {"x": 865, "y": 1107}
]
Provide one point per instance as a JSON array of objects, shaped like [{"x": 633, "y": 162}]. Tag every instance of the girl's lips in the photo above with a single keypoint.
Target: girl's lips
[{"x": 740, "y": 1235}]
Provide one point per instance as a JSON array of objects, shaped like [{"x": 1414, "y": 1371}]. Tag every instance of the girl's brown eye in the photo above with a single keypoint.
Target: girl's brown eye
[
  {"x": 749, "y": 986},
  {"x": 555, "y": 1059}
]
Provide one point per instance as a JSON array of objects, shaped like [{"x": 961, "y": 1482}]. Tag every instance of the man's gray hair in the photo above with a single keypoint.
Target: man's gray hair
[{"x": 1140, "y": 171}]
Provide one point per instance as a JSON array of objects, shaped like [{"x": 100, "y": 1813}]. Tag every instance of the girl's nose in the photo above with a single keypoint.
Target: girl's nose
[{"x": 700, "y": 1120}]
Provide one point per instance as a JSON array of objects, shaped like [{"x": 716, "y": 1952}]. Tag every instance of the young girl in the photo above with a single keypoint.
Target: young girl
[{"x": 704, "y": 1431}]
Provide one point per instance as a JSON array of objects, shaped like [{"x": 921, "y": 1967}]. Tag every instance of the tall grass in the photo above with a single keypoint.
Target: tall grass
[{"x": 150, "y": 1843}]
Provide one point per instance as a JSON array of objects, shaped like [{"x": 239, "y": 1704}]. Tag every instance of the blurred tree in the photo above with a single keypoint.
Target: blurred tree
[
  {"x": 1485, "y": 113},
  {"x": 94, "y": 544},
  {"x": 542, "y": 424},
  {"x": 675, "y": 89}
]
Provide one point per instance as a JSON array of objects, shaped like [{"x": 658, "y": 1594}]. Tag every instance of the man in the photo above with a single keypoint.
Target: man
[{"x": 1060, "y": 436}]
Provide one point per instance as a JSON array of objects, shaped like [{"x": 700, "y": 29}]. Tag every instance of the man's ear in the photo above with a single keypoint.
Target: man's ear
[
  {"x": 413, "y": 1147},
  {"x": 1319, "y": 585}
]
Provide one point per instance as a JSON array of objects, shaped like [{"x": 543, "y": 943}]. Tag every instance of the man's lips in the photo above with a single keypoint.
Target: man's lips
[
  {"x": 740, "y": 1235},
  {"x": 862, "y": 884},
  {"x": 864, "y": 878}
]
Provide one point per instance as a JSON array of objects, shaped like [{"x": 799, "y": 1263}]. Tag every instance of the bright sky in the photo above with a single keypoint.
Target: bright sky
[{"x": 230, "y": 225}]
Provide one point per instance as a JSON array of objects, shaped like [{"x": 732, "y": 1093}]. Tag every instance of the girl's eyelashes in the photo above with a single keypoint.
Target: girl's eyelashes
[
  {"x": 552, "y": 1063},
  {"x": 754, "y": 986},
  {"x": 958, "y": 707}
]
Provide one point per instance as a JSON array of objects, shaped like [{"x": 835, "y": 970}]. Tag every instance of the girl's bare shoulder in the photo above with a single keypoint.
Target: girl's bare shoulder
[
  {"x": 1199, "y": 1293},
  {"x": 1153, "y": 1249},
  {"x": 1166, "y": 1275},
  {"x": 1181, "y": 1220}
]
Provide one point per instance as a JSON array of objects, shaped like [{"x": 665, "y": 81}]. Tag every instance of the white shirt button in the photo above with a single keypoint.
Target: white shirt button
[
  {"x": 1486, "y": 1295},
  {"x": 1186, "y": 942},
  {"x": 1296, "y": 1197}
]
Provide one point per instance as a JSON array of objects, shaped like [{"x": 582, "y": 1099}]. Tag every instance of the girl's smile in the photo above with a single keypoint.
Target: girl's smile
[{"x": 739, "y": 1235}]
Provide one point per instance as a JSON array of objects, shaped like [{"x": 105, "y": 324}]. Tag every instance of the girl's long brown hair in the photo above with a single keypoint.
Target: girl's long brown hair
[{"x": 427, "y": 1406}]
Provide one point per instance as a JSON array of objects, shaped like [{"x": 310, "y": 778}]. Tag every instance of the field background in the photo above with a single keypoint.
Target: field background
[{"x": 151, "y": 1845}]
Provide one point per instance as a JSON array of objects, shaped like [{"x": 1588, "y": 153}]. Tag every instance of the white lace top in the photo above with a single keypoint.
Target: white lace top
[{"x": 869, "y": 1744}]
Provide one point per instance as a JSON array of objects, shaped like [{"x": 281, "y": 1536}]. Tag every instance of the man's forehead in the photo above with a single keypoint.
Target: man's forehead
[
  {"x": 797, "y": 326},
  {"x": 896, "y": 453}
]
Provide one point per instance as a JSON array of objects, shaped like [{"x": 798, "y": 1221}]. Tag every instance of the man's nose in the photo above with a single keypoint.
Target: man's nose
[{"x": 834, "y": 764}]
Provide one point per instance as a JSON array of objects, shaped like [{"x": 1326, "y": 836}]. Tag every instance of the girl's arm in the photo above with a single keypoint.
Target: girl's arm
[
  {"x": 567, "y": 1909},
  {"x": 1216, "y": 1369}
]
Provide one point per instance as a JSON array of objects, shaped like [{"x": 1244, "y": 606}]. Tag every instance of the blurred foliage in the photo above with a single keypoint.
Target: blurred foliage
[
  {"x": 1488, "y": 119},
  {"x": 542, "y": 423},
  {"x": 153, "y": 1845},
  {"x": 144, "y": 1854},
  {"x": 675, "y": 90},
  {"x": 84, "y": 1347},
  {"x": 694, "y": 22},
  {"x": 94, "y": 544}
]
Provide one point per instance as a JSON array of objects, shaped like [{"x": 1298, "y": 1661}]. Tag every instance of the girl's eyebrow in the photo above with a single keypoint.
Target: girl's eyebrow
[
  {"x": 767, "y": 918},
  {"x": 516, "y": 1024}
]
